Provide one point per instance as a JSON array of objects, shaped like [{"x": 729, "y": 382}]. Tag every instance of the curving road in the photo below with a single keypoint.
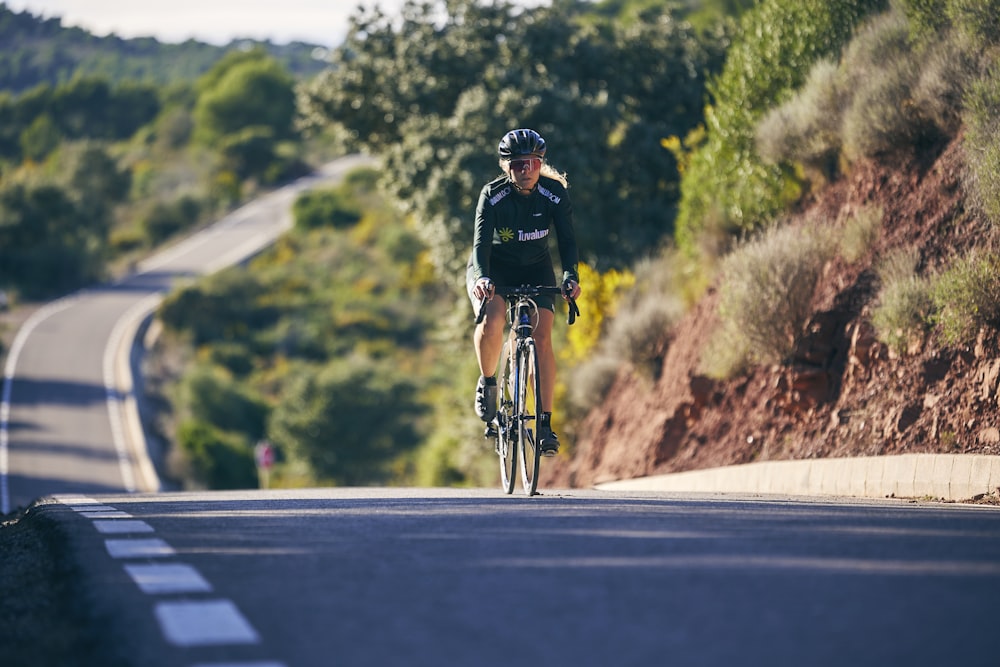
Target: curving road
[{"x": 68, "y": 422}]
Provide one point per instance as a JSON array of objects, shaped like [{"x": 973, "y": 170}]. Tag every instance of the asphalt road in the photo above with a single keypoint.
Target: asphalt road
[
  {"x": 64, "y": 424},
  {"x": 449, "y": 577}
]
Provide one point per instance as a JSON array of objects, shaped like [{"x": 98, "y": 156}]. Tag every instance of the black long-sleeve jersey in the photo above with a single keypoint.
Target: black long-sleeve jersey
[{"x": 513, "y": 229}]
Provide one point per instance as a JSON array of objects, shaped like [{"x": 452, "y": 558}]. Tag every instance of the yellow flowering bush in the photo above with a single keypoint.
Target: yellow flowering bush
[{"x": 598, "y": 301}]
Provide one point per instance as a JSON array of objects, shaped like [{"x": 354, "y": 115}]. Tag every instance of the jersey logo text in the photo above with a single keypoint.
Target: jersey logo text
[
  {"x": 495, "y": 199},
  {"x": 545, "y": 192},
  {"x": 532, "y": 236}
]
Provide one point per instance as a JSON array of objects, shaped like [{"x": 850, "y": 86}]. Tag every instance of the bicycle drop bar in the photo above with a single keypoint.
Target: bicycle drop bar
[{"x": 530, "y": 291}]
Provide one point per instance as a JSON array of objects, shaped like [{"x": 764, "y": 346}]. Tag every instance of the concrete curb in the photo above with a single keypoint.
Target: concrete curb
[{"x": 944, "y": 476}]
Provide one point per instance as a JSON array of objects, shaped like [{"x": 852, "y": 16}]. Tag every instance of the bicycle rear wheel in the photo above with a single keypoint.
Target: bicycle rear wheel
[
  {"x": 506, "y": 422},
  {"x": 529, "y": 409}
]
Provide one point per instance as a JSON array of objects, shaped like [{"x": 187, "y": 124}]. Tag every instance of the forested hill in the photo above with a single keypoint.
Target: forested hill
[{"x": 40, "y": 50}]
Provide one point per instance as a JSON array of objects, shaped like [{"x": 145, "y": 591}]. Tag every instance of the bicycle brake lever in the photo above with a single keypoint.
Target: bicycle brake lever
[
  {"x": 482, "y": 310},
  {"x": 574, "y": 310}
]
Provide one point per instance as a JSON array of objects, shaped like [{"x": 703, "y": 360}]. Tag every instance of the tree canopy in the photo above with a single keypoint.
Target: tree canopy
[{"x": 435, "y": 91}]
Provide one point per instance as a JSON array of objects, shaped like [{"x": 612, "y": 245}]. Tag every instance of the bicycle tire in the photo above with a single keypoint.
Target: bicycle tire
[
  {"x": 506, "y": 421},
  {"x": 529, "y": 413}
]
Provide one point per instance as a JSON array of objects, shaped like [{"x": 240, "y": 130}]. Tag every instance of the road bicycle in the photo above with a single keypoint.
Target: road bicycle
[{"x": 519, "y": 387}]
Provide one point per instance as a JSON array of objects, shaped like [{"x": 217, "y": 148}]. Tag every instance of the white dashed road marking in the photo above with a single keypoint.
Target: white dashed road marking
[
  {"x": 114, "y": 526},
  {"x": 185, "y": 623},
  {"x": 164, "y": 578},
  {"x": 207, "y": 623},
  {"x": 93, "y": 507},
  {"x": 106, "y": 515},
  {"x": 151, "y": 548}
]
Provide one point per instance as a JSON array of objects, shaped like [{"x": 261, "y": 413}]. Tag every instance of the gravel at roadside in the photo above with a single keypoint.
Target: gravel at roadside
[{"x": 43, "y": 615}]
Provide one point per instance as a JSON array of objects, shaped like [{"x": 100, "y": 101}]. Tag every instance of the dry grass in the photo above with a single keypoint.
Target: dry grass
[
  {"x": 966, "y": 297},
  {"x": 982, "y": 143},
  {"x": 902, "y": 314},
  {"x": 766, "y": 294}
]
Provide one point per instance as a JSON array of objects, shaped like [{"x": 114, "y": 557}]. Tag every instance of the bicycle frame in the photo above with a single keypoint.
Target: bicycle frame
[{"x": 517, "y": 382}]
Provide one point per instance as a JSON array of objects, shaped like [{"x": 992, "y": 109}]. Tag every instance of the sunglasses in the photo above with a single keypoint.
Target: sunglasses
[{"x": 529, "y": 163}]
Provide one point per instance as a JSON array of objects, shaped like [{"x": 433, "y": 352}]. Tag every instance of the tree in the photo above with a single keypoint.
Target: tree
[
  {"x": 44, "y": 246},
  {"x": 250, "y": 90},
  {"x": 99, "y": 185},
  {"x": 434, "y": 95},
  {"x": 40, "y": 138},
  {"x": 81, "y": 106}
]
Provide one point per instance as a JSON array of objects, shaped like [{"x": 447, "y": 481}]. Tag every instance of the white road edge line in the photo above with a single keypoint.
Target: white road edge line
[{"x": 122, "y": 408}]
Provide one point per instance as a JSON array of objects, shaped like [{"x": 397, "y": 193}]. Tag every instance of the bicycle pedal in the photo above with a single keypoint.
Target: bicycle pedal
[{"x": 490, "y": 432}]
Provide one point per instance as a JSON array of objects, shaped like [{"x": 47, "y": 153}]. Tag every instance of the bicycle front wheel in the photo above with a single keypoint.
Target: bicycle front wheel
[
  {"x": 506, "y": 423},
  {"x": 529, "y": 412}
]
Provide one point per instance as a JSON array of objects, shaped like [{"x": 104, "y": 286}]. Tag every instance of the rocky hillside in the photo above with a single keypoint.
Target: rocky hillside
[{"x": 845, "y": 394}]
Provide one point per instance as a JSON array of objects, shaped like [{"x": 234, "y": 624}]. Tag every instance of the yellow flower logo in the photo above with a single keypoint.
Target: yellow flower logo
[{"x": 506, "y": 234}]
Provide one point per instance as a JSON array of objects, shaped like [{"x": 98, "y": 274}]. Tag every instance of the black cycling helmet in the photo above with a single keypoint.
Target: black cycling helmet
[{"x": 519, "y": 143}]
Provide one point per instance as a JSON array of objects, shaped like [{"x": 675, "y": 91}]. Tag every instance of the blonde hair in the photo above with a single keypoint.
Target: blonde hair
[
  {"x": 546, "y": 170},
  {"x": 552, "y": 172}
]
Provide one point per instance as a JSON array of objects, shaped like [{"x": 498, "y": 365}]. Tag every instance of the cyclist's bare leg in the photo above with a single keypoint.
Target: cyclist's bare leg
[
  {"x": 546, "y": 357},
  {"x": 488, "y": 338}
]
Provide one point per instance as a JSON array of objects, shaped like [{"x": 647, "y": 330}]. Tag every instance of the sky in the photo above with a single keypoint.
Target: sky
[{"x": 213, "y": 21}]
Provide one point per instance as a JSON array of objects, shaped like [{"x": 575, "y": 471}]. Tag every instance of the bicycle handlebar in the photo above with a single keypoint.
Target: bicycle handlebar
[{"x": 531, "y": 291}]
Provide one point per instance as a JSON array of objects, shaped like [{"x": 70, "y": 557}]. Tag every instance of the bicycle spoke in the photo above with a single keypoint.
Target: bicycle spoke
[
  {"x": 529, "y": 411},
  {"x": 506, "y": 426}
]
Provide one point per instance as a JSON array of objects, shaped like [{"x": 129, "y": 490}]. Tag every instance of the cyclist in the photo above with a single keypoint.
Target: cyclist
[{"x": 514, "y": 216}]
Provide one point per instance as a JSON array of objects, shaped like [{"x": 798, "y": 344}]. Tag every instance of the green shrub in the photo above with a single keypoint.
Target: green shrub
[
  {"x": 926, "y": 17},
  {"x": 904, "y": 308},
  {"x": 978, "y": 19},
  {"x": 224, "y": 306},
  {"x": 982, "y": 143},
  {"x": 166, "y": 219},
  {"x": 778, "y": 44},
  {"x": 348, "y": 419},
  {"x": 214, "y": 459},
  {"x": 210, "y": 395},
  {"x": 766, "y": 292},
  {"x": 332, "y": 207},
  {"x": 249, "y": 153},
  {"x": 125, "y": 240},
  {"x": 967, "y": 297}
]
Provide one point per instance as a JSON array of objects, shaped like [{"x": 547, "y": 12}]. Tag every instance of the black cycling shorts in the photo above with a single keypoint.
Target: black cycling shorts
[{"x": 506, "y": 275}]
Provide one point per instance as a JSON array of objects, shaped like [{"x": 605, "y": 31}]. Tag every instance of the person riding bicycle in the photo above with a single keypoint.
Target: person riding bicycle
[{"x": 514, "y": 216}]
